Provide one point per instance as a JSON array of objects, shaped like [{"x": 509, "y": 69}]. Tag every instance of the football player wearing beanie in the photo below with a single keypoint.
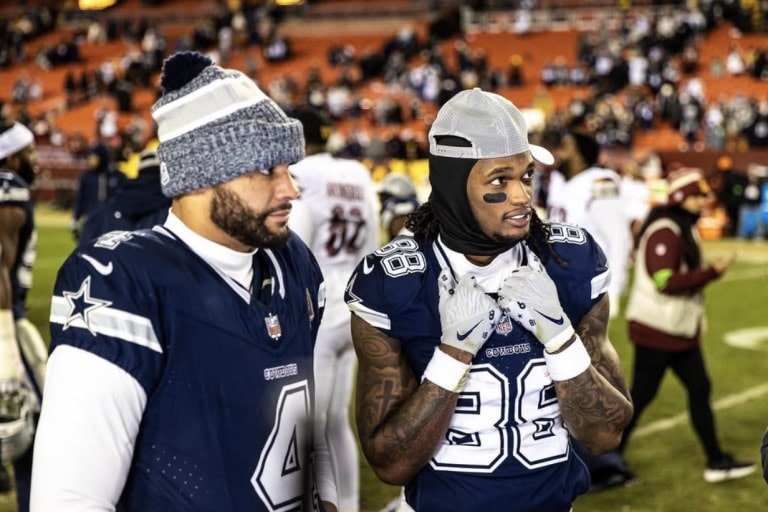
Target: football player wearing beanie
[
  {"x": 665, "y": 314},
  {"x": 186, "y": 349},
  {"x": 481, "y": 339}
]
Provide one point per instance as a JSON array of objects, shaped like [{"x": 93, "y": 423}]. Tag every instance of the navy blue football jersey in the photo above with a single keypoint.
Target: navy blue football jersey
[
  {"x": 506, "y": 447},
  {"x": 228, "y": 378},
  {"x": 14, "y": 191}
]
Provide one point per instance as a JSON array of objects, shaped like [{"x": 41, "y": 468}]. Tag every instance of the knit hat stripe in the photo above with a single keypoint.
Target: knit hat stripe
[
  {"x": 205, "y": 105},
  {"x": 14, "y": 139}
]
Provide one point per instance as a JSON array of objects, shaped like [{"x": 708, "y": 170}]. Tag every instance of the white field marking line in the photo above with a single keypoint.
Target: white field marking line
[
  {"x": 723, "y": 403},
  {"x": 751, "y": 338}
]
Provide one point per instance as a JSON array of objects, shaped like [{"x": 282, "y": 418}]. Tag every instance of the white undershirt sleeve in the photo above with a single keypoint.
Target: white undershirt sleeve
[{"x": 97, "y": 429}]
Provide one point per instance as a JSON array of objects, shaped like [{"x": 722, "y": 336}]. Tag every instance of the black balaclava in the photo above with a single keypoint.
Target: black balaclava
[{"x": 459, "y": 229}]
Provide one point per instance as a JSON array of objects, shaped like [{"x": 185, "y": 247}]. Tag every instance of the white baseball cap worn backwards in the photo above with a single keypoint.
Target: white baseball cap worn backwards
[{"x": 492, "y": 124}]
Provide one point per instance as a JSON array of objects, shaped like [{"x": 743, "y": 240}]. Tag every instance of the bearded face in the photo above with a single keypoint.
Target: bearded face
[{"x": 244, "y": 224}]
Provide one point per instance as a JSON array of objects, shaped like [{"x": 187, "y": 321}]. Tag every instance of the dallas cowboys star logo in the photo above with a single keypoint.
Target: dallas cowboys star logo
[{"x": 81, "y": 305}]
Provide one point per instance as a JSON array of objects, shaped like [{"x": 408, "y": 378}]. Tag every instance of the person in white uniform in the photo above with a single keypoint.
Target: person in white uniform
[
  {"x": 336, "y": 217},
  {"x": 593, "y": 199}
]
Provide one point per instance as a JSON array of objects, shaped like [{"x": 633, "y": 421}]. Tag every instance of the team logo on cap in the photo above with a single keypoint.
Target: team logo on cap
[{"x": 164, "y": 176}]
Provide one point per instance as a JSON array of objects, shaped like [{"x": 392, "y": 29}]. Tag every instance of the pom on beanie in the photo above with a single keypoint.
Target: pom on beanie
[
  {"x": 215, "y": 124},
  {"x": 181, "y": 68}
]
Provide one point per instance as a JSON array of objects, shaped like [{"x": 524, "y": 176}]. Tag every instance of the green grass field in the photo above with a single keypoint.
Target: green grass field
[{"x": 664, "y": 452}]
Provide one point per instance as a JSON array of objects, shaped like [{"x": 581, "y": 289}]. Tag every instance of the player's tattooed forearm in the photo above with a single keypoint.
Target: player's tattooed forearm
[
  {"x": 594, "y": 326},
  {"x": 400, "y": 422},
  {"x": 410, "y": 431},
  {"x": 381, "y": 391},
  {"x": 592, "y": 331},
  {"x": 386, "y": 397},
  {"x": 586, "y": 404}
]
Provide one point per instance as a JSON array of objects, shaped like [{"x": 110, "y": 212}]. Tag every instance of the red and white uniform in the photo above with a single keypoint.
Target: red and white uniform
[{"x": 336, "y": 217}]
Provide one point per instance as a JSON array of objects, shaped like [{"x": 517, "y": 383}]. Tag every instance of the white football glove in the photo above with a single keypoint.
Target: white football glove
[
  {"x": 529, "y": 296},
  {"x": 468, "y": 316}
]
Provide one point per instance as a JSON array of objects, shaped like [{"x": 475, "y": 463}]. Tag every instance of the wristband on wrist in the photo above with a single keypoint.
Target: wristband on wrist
[
  {"x": 569, "y": 363},
  {"x": 446, "y": 372}
]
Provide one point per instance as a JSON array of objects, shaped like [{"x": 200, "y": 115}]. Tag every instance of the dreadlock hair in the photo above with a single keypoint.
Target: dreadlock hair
[
  {"x": 538, "y": 237},
  {"x": 423, "y": 222}
]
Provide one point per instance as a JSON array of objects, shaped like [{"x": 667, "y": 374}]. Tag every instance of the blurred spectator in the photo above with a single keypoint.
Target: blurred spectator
[
  {"x": 734, "y": 61},
  {"x": 277, "y": 48},
  {"x": 731, "y": 191},
  {"x": 751, "y": 225},
  {"x": 139, "y": 203},
  {"x": 397, "y": 197},
  {"x": 515, "y": 71},
  {"x": 95, "y": 186},
  {"x": 757, "y": 130}
]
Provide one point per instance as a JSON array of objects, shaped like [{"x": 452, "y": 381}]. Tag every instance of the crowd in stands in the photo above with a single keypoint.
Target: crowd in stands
[
  {"x": 640, "y": 75},
  {"x": 655, "y": 61}
]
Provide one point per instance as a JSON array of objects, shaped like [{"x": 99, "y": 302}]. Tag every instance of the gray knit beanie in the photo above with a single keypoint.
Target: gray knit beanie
[{"x": 215, "y": 124}]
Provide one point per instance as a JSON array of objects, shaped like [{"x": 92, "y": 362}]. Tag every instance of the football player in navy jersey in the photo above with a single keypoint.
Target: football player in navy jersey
[
  {"x": 180, "y": 375},
  {"x": 22, "y": 349},
  {"x": 481, "y": 339}
]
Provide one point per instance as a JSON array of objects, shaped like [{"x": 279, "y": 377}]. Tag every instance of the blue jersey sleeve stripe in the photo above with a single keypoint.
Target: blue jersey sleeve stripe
[
  {"x": 108, "y": 321},
  {"x": 14, "y": 194}
]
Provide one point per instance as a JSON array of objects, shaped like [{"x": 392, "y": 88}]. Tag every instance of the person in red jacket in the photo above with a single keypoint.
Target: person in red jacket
[{"x": 665, "y": 314}]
